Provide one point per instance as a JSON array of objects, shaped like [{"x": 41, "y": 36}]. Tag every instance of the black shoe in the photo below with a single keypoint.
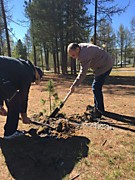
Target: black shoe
[
  {"x": 89, "y": 108},
  {"x": 96, "y": 113},
  {"x": 15, "y": 134}
]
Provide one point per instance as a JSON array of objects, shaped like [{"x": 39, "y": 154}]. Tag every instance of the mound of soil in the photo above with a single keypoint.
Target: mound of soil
[{"x": 64, "y": 127}]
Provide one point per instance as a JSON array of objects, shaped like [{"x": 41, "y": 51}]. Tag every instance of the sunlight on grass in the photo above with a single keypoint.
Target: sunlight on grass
[{"x": 123, "y": 72}]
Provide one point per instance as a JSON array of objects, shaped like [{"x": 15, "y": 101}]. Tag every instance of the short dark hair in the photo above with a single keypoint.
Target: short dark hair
[{"x": 73, "y": 46}]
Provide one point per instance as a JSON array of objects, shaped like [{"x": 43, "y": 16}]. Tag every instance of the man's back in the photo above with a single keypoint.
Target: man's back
[{"x": 14, "y": 70}]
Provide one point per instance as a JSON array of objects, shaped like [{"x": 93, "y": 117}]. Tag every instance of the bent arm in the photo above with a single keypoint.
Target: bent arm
[
  {"x": 82, "y": 74},
  {"x": 24, "y": 92}
]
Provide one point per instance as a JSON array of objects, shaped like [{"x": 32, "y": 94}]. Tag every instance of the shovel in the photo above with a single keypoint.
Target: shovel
[
  {"x": 53, "y": 114},
  {"x": 42, "y": 124}
]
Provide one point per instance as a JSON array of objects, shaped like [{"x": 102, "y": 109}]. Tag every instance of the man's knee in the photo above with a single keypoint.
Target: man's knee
[{"x": 96, "y": 87}]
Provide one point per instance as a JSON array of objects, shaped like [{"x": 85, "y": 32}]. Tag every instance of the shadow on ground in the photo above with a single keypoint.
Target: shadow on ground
[
  {"x": 118, "y": 81},
  {"x": 43, "y": 158},
  {"x": 114, "y": 80},
  {"x": 128, "y": 120}
]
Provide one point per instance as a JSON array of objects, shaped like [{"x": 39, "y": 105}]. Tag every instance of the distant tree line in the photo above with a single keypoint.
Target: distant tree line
[{"x": 56, "y": 23}]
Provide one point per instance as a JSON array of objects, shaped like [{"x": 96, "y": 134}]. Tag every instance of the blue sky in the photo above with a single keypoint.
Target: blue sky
[
  {"x": 18, "y": 15},
  {"x": 126, "y": 17}
]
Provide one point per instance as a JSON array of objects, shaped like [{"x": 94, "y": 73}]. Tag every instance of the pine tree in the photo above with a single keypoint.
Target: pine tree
[
  {"x": 20, "y": 50},
  {"x": 56, "y": 23},
  {"x": 5, "y": 26}
]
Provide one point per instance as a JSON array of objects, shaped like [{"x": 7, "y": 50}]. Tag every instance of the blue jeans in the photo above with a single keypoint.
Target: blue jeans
[
  {"x": 97, "y": 90},
  {"x": 12, "y": 115}
]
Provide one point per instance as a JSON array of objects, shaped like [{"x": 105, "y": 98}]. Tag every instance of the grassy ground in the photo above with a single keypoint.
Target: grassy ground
[{"x": 90, "y": 153}]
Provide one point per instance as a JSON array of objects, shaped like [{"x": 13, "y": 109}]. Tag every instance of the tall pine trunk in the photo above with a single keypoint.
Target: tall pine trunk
[
  {"x": 6, "y": 28},
  {"x": 95, "y": 22},
  {"x": 46, "y": 52},
  {"x": 2, "y": 45},
  {"x": 57, "y": 55},
  {"x": 54, "y": 60}
]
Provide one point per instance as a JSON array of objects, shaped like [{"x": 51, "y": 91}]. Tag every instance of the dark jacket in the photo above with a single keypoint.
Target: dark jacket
[{"x": 15, "y": 75}]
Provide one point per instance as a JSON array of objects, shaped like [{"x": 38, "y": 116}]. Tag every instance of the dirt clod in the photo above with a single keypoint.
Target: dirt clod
[{"x": 62, "y": 125}]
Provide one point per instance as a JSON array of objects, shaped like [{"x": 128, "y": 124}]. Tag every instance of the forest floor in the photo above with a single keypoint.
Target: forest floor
[{"x": 72, "y": 147}]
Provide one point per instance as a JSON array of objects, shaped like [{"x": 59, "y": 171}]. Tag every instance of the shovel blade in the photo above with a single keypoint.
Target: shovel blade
[{"x": 53, "y": 114}]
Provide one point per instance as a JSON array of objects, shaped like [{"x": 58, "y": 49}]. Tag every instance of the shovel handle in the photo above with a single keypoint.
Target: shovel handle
[
  {"x": 53, "y": 114},
  {"x": 65, "y": 99},
  {"x": 67, "y": 96}
]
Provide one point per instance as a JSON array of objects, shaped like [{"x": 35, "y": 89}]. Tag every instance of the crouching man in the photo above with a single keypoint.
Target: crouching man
[{"x": 16, "y": 76}]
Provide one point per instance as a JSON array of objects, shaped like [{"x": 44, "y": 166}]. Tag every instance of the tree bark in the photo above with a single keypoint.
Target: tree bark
[
  {"x": 57, "y": 56},
  {"x": 95, "y": 23},
  {"x": 34, "y": 53},
  {"x": 6, "y": 28},
  {"x": 1, "y": 50},
  {"x": 134, "y": 60},
  {"x": 54, "y": 60},
  {"x": 46, "y": 52}
]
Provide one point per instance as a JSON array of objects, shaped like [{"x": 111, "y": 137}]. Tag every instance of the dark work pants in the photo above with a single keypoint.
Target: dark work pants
[
  {"x": 97, "y": 90},
  {"x": 12, "y": 115}
]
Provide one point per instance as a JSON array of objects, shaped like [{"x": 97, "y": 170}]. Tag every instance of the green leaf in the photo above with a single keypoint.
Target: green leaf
[{"x": 43, "y": 101}]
